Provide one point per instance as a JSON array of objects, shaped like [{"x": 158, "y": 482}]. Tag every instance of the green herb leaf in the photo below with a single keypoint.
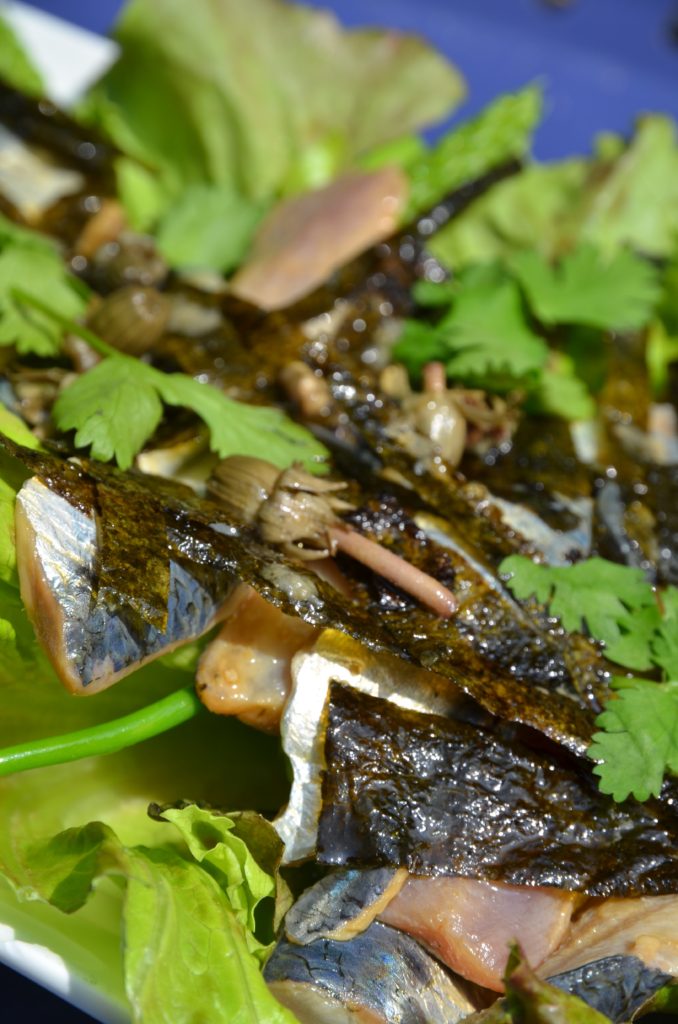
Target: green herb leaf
[
  {"x": 530, "y": 210},
  {"x": 31, "y": 263},
  {"x": 614, "y": 603},
  {"x": 620, "y": 292},
  {"x": 12, "y": 475},
  {"x": 15, "y": 65},
  {"x": 484, "y": 339},
  {"x": 116, "y": 406},
  {"x": 246, "y": 96},
  {"x": 179, "y": 922},
  {"x": 502, "y": 131},
  {"x": 560, "y": 392},
  {"x": 640, "y": 741},
  {"x": 210, "y": 226},
  {"x": 242, "y": 852},
  {"x": 633, "y": 200},
  {"x": 665, "y": 644}
]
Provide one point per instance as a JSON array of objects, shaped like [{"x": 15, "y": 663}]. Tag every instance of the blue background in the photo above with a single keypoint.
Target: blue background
[{"x": 602, "y": 61}]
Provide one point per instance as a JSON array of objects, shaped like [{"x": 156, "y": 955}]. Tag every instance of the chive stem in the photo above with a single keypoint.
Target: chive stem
[
  {"x": 72, "y": 326},
  {"x": 107, "y": 738}
]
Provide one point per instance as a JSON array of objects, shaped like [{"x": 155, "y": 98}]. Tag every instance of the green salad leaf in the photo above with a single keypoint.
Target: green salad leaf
[
  {"x": 31, "y": 262},
  {"x": 633, "y": 199},
  {"x": 626, "y": 196},
  {"x": 258, "y": 99},
  {"x": 530, "y": 210},
  {"x": 499, "y": 133},
  {"x": 16, "y": 67},
  {"x": 116, "y": 406},
  {"x": 209, "y": 226},
  {"x": 209, "y": 759},
  {"x": 188, "y": 922}
]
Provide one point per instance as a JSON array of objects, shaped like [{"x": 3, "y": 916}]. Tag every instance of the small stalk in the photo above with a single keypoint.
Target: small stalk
[
  {"x": 107, "y": 738},
  {"x": 392, "y": 567},
  {"x": 71, "y": 326}
]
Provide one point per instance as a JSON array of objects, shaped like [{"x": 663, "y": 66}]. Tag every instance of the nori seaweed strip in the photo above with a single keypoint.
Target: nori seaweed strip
[
  {"x": 42, "y": 123},
  {"x": 617, "y": 986},
  {"x": 132, "y": 553},
  {"x": 188, "y": 528},
  {"x": 441, "y": 797}
]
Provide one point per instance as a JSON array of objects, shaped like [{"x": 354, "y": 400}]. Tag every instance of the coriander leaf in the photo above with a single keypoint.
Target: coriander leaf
[
  {"x": 619, "y": 292},
  {"x": 240, "y": 429},
  {"x": 614, "y": 603},
  {"x": 31, "y": 263},
  {"x": 483, "y": 339},
  {"x": 640, "y": 739},
  {"x": 488, "y": 340},
  {"x": 209, "y": 226},
  {"x": 559, "y": 392},
  {"x": 418, "y": 344},
  {"x": 116, "y": 406},
  {"x": 501, "y": 132},
  {"x": 434, "y": 294},
  {"x": 633, "y": 199},
  {"x": 15, "y": 66},
  {"x": 665, "y": 644}
]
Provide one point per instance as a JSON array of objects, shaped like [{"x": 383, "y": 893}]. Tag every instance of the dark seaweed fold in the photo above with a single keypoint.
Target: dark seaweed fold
[{"x": 442, "y": 797}]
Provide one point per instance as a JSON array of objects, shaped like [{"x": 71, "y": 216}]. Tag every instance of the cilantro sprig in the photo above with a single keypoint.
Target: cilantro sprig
[
  {"x": 31, "y": 262},
  {"x": 483, "y": 337},
  {"x": 491, "y": 321},
  {"x": 116, "y": 406},
  {"x": 616, "y": 605},
  {"x": 619, "y": 292}
]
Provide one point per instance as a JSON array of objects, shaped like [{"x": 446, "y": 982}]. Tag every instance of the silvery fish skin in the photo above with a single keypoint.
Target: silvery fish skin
[
  {"x": 90, "y": 644},
  {"x": 380, "y": 977},
  {"x": 342, "y": 904},
  {"x": 618, "y": 986},
  {"x": 557, "y": 546}
]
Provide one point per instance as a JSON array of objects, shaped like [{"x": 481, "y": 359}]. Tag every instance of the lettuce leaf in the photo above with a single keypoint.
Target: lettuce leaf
[
  {"x": 255, "y": 97},
  {"x": 501, "y": 132},
  {"x": 16, "y": 68},
  {"x": 187, "y": 931},
  {"x": 622, "y": 196}
]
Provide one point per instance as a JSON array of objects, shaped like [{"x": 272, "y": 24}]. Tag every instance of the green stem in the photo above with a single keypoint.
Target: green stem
[
  {"x": 72, "y": 326},
  {"x": 107, "y": 738}
]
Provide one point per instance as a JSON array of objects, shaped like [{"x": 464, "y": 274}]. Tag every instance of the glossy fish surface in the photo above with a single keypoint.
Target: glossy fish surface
[
  {"x": 379, "y": 977},
  {"x": 90, "y": 642}
]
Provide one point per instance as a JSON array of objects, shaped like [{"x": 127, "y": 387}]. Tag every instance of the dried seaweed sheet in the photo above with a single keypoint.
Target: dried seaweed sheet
[
  {"x": 441, "y": 797},
  {"x": 197, "y": 532}
]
